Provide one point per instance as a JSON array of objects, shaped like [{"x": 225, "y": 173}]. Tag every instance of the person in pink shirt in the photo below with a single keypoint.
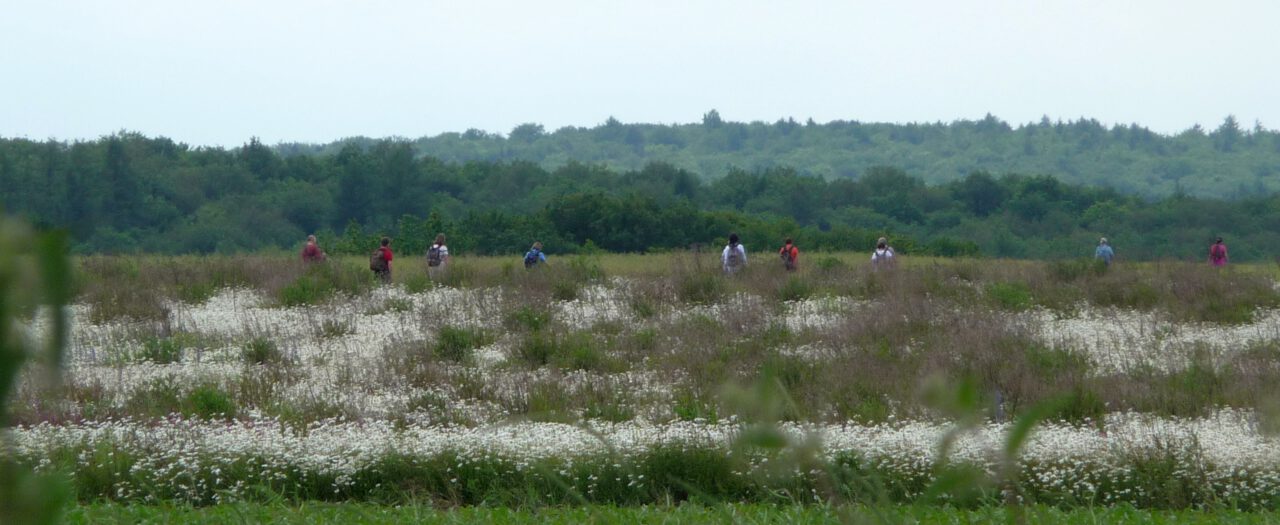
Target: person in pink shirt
[
  {"x": 311, "y": 252},
  {"x": 1218, "y": 253}
]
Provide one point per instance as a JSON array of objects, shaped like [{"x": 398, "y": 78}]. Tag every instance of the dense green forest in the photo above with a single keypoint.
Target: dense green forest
[
  {"x": 1229, "y": 161},
  {"x": 127, "y": 192}
]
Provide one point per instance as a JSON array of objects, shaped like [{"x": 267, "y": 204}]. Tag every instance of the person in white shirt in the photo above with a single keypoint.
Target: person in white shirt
[
  {"x": 883, "y": 256},
  {"x": 734, "y": 256},
  {"x": 437, "y": 257}
]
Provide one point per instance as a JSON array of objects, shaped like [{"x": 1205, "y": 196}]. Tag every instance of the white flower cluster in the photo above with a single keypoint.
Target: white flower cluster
[
  {"x": 196, "y": 460},
  {"x": 596, "y": 303},
  {"x": 1120, "y": 340}
]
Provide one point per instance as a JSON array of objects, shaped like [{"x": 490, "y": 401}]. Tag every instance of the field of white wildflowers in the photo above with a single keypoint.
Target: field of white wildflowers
[{"x": 565, "y": 388}]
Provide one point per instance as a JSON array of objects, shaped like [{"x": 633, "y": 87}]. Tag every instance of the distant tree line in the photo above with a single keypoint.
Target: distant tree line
[
  {"x": 128, "y": 193},
  {"x": 1230, "y": 161}
]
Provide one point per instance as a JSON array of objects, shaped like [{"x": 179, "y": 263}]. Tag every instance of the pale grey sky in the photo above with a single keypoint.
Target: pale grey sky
[{"x": 217, "y": 72}]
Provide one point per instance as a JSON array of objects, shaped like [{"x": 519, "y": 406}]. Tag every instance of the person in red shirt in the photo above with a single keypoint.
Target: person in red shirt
[
  {"x": 790, "y": 256},
  {"x": 384, "y": 273},
  {"x": 311, "y": 252}
]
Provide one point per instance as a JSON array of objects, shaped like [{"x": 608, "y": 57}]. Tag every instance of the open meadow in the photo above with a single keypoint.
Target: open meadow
[{"x": 641, "y": 380}]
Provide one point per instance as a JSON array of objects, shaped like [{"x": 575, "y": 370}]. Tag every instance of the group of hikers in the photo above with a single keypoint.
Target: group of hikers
[
  {"x": 1217, "y": 252},
  {"x": 380, "y": 259},
  {"x": 732, "y": 259},
  {"x": 734, "y": 256}
]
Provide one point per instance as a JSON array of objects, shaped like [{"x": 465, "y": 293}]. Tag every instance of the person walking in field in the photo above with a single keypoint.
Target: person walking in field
[
  {"x": 790, "y": 256},
  {"x": 734, "y": 256},
  {"x": 1104, "y": 252},
  {"x": 437, "y": 257},
  {"x": 311, "y": 252},
  {"x": 1218, "y": 253},
  {"x": 883, "y": 256},
  {"x": 534, "y": 257},
  {"x": 380, "y": 261}
]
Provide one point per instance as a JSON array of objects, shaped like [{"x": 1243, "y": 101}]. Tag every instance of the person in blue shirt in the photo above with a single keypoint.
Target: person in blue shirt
[
  {"x": 534, "y": 256},
  {"x": 1104, "y": 252}
]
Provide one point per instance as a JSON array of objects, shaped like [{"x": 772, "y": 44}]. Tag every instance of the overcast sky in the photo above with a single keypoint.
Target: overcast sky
[{"x": 216, "y": 72}]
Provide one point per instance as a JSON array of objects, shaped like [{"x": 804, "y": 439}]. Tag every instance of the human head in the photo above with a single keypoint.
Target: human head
[
  {"x": 311, "y": 238},
  {"x": 440, "y": 238},
  {"x": 537, "y": 245},
  {"x": 882, "y": 242},
  {"x": 1103, "y": 241},
  {"x": 788, "y": 240},
  {"x": 733, "y": 239},
  {"x": 1219, "y": 241},
  {"x": 386, "y": 241}
]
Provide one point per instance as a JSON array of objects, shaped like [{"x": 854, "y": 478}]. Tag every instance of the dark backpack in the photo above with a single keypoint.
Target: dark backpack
[
  {"x": 377, "y": 262},
  {"x": 531, "y": 258},
  {"x": 788, "y": 257},
  {"x": 1217, "y": 252},
  {"x": 433, "y": 255}
]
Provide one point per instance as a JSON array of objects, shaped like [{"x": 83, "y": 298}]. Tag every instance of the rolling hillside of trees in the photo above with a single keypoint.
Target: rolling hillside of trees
[
  {"x": 127, "y": 192},
  {"x": 1227, "y": 162}
]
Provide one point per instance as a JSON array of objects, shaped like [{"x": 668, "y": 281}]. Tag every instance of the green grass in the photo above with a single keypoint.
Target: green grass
[
  {"x": 358, "y": 513},
  {"x": 456, "y": 344}
]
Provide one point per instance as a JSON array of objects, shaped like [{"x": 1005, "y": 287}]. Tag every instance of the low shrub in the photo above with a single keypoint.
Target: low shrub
[
  {"x": 573, "y": 351},
  {"x": 1071, "y": 270},
  {"x": 209, "y": 402},
  {"x": 564, "y": 290},
  {"x": 261, "y": 351},
  {"x": 689, "y": 406},
  {"x": 320, "y": 282},
  {"x": 310, "y": 288},
  {"x": 828, "y": 263},
  {"x": 163, "y": 397},
  {"x": 456, "y": 344},
  {"x": 161, "y": 350},
  {"x": 795, "y": 288},
  {"x": 700, "y": 288},
  {"x": 531, "y": 318}
]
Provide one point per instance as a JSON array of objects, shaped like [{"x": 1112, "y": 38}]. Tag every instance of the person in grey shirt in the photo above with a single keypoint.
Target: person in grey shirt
[{"x": 1104, "y": 252}]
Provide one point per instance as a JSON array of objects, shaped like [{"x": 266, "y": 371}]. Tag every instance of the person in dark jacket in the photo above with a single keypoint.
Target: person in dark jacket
[{"x": 384, "y": 273}]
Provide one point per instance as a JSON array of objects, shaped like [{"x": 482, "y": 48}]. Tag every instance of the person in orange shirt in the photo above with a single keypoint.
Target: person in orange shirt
[{"x": 790, "y": 256}]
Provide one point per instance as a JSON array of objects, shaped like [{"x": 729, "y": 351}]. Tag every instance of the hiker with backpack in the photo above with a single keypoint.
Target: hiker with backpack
[
  {"x": 790, "y": 255},
  {"x": 380, "y": 261},
  {"x": 1104, "y": 252},
  {"x": 734, "y": 256},
  {"x": 1218, "y": 253},
  {"x": 437, "y": 257},
  {"x": 311, "y": 252},
  {"x": 534, "y": 257},
  {"x": 883, "y": 256}
]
